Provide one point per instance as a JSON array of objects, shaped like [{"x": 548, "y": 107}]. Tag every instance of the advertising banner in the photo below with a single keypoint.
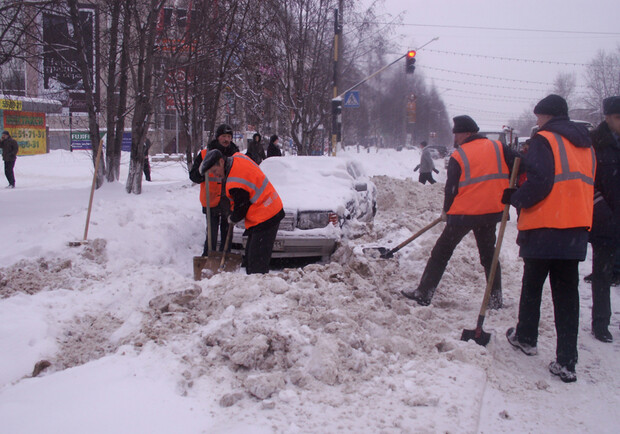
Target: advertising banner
[
  {"x": 28, "y": 130},
  {"x": 80, "y": 140}
]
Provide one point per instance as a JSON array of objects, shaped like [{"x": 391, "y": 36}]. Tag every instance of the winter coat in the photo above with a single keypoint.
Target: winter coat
[
  {"x": 256, "y": 152},
  {"x": 10, "y": 148},
  {"x": 273, "y": 150},
  {"x": 549, "y": 243},
  {"x": 426, "y": 161},
  {"x": 194, "y": 173},
  {"x": 606, "y": 220},
  {"x": 452, "y": 189}
]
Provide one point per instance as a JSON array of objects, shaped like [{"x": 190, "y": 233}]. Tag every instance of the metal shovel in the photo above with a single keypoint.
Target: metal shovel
[{"x": 386, "y": 253}]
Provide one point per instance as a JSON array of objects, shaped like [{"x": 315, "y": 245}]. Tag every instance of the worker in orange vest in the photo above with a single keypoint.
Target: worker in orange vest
[
  {"x": 478, "y": 173},
  {"x": 253, "y": 198},
  {"x": 219, "y": 207},
  {"x": 556, "y": 203}
]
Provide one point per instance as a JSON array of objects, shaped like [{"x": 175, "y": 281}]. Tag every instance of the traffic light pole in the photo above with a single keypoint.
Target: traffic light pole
[{"x": 337, "y": 98}]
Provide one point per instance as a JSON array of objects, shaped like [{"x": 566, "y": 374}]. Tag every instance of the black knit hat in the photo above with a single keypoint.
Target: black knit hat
[
  {"x": 273, "y": 138},
  {"x": 223, "y": 129},
  {"x": 464, "y": 124},
  {"x": 6, "y": 132},
  {"x": 211, "y": 158},
  {"x": 611, "y": 105},
  {"x": 552, "y": 105}
]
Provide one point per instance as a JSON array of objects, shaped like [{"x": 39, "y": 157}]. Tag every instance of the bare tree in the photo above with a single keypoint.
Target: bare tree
[
  {"x": 602, "y": 80},
  {"x": 143, "y": 21},
  {"x": 565, "y": 85},
  {"x": 87, "y": 71}
]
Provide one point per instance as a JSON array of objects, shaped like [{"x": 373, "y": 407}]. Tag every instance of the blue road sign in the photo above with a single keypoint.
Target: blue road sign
[{"x": 352, "y": 99}]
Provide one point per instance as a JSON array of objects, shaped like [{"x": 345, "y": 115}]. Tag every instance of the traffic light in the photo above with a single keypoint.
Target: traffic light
[{"x": 410, "y": 62}]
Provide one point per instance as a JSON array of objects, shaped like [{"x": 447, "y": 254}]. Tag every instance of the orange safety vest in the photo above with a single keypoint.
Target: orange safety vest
[
  {"x": 215, "y": 188},
  {"x": 264, "y": 199},
  {"x": 571, "y": 200},
  {"x": 484, "y": 176}
]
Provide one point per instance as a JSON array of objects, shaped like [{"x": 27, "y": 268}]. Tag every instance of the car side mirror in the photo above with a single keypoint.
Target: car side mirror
[{"x": 361, "y": 186}]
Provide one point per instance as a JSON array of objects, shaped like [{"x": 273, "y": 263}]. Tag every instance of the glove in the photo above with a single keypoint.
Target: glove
[
  {"x": 416, "y": 168},
  {"x": 230, "y": 220},
  {"x": 507, "y": 194},
  {"x": 435, "y": 170},
  {"x": 444, "y": 216}
]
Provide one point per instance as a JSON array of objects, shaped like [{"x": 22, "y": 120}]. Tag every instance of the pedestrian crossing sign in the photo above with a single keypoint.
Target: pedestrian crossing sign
[{"x": 352, "y": 99}]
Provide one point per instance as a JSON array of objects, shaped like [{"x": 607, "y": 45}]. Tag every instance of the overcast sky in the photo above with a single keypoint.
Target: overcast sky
[{"x": 469, "y": 63}]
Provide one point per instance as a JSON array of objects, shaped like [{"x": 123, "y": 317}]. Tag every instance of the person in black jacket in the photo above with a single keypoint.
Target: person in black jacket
[
  {"x": 219, "y": 213},
  {"x": 255, "y": 149},
  {"x": 471, "y": 204},
  {"x": 605, "y": 233},
  {"x": 10, "y": 148},
  {"x": 555, "y": 204},
  {"x": 273, "y": 150},
  {"x": 147, "y": 164}
]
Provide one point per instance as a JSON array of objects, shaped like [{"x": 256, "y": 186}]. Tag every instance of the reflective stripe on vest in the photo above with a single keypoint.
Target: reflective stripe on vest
[
  {"x": 215, "y": 188},
  {"x": 571, "y": 200},
  {"x": 484, "y": 176},
  {"x": 264, "y": 200}
]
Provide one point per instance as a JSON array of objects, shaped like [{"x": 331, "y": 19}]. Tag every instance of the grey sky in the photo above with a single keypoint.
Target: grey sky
[{"x": 482, "y": 84}]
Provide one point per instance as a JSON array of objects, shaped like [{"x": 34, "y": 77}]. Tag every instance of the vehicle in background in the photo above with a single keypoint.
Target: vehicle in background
[
  {"x": 321, "y": 197},
  {"x": 587, "y": 124}
]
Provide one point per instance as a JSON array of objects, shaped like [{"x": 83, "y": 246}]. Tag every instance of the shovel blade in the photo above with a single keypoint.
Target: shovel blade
[
  {"x": 207, "y": 266},
  {"x": 477, "y": 335},
  {"x": 381, "y": 252}
]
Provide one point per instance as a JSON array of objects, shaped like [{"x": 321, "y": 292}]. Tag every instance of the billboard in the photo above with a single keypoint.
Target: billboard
[
  {"x": 28, "y": 130},
  {"x": 62, "y": 78},
  {"x": 80, "y": 140}
]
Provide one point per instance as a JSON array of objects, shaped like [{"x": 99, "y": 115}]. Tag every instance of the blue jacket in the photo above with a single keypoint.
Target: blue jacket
[
  {"x": 549, "y": 243},
  {"x": 606, "y": 220}
]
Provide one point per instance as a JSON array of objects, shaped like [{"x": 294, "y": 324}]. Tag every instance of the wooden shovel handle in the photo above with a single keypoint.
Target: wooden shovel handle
[{"x": 498, "y": 244}]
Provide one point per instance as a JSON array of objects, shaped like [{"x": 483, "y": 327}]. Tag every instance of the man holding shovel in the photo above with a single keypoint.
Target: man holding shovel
[
  {"x": 478, "y": 173},
  {"x": 556, "y": 203},
  {"x": 252, "y": 198}
]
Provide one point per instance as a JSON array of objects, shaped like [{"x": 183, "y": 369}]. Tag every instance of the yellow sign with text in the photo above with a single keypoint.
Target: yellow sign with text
[
  {"x": 9, "y": 104},
  {"x": 28, "y": 130}
]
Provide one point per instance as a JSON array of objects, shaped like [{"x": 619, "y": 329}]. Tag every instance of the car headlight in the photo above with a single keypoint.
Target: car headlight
[{"x": 316, "y": 219}]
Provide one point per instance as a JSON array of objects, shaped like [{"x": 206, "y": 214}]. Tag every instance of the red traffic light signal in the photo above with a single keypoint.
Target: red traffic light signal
[{"x": 410, "y": 62}]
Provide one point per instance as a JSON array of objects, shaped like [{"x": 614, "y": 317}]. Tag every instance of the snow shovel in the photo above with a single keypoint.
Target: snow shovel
[
  {"x": 386, "y": 253},
  {"x": 478, "y": 335},
  {"x": 207, "y": 266},
  {"x": 90, "y": 201}
]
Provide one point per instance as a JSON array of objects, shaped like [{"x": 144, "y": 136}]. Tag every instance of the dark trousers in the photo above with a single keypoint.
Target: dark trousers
[
  {"x": 603, "y": 260},
  {"x": 444, "y": 247},
  {"x": 219, "y": 220},
  {"x": 8, "y": 172},
  {"x": 147, "y": 169},
  {"x": 564, "y": 280},
  {"x": 426, "y": 177},
  {"x": 259, "y": 247}
]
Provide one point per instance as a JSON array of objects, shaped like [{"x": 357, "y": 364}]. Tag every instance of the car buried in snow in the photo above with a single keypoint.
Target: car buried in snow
[{"x": 322, "y": 196}]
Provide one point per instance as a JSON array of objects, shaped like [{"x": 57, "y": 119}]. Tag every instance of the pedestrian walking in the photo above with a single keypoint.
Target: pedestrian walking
[
  {"x": 10, "y": 148},
  {"x": 555, "y": 204},
  {"x": 426, "y": 166},
  {"x": 478, "y": 173}
]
